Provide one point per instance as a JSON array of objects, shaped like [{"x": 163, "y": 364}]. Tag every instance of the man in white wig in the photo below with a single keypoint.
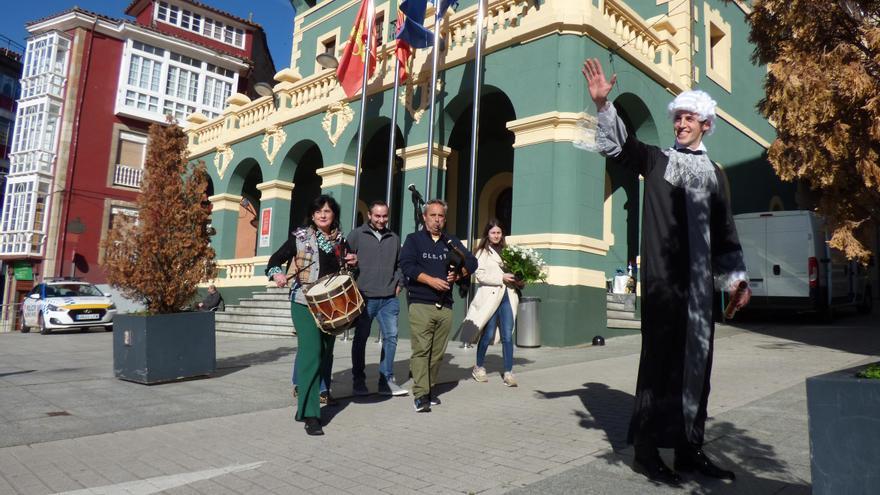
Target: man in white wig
[{"x": 689, "y": 241}]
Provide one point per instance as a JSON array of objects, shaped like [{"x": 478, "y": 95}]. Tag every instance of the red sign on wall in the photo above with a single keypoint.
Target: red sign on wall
[{"x": 265, "y": 226}]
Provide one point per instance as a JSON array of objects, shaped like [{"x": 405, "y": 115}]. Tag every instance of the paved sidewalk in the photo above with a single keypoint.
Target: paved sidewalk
[{"x": 561, "y": 431}]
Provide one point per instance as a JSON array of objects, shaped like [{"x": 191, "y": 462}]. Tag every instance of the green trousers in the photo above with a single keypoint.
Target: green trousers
[
  {"x": 313, "y": 348},
  {"x": 429, "y": 334}
]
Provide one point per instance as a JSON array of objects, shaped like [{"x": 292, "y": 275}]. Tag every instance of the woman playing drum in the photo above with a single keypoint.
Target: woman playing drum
[{"x": 311, "y": 252}]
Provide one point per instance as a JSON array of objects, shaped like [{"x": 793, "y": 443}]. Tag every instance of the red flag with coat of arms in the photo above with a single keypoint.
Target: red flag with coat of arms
[
  {"x": 351, "y": 67},
  {"x": 403, "y": 51}
]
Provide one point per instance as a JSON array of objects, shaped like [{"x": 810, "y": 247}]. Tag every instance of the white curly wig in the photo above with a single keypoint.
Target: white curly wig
[{"x": 698, "y": 102}]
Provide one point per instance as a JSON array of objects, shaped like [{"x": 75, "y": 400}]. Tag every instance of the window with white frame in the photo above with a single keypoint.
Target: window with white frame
[
  {"x": 122, "y": 214},
  {"x": 24, "y": 211},
  {"x": 45, "y": 65},
  {"x": 197, "y": 23},
  {"x": 131, "y": 149},
  {"x": 163, "y": 82},
  {"x": 36, "y": 126}
]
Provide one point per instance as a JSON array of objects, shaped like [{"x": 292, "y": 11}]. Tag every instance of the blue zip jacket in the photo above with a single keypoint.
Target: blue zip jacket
[{"x": 421, "y": 254}]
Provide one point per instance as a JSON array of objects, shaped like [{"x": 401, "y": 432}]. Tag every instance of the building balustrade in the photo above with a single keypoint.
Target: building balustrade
[
  {"x": 507, "y": 22},
  {"x": 240, "y": 271},
  {"x": 128, "y": 176}
]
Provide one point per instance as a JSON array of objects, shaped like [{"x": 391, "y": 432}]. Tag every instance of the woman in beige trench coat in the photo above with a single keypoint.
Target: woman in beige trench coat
[{"x": 494, "y": 303}]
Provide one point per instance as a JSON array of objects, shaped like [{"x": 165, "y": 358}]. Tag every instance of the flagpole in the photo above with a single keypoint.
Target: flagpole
[
  {"x": 434, "y": 61},
  {"x": 475, "y": 125},
  {"x": 360, "y": 146},
  {"x": 393, "y": 137}
]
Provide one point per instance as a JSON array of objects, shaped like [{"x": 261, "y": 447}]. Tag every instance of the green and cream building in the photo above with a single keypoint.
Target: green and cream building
[{"x": 579, "y": 210}]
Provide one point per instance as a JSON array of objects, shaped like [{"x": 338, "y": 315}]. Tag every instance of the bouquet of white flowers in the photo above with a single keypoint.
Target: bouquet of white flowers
[{"x": 524, "y": 263}]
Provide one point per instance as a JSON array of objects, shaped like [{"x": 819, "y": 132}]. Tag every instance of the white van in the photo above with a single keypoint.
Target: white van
[{"x": 791, "y": 267}]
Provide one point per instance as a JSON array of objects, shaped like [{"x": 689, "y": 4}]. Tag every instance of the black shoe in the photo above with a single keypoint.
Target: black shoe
[
  {"x": 694, "y": 459},
  {"x": 295, "y": 392},
  {"x": 652, "y": 467},
  {"x": 326, "y": 399},
  {"x": 435, "y": 401},
  {"x": 422, "y": 404},
  {"x": 313, "y": 426}
]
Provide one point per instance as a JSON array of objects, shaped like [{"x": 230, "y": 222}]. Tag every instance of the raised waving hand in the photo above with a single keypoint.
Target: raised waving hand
[{"x": 599, "y": 86}]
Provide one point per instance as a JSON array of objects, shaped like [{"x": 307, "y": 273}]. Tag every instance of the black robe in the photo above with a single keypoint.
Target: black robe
[{"x": 688, "y": 239}]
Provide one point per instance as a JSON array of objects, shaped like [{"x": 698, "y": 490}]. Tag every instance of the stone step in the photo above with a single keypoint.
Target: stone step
[
  {"x": 255, "y": 330},
  {"x": 277, "y": 290},
  {"x": 611, "y": 306},
  {"x": 273, "y": 296},
  {"x": 257, "y": 310},
  {"x": 631, "y": 324},
  {"x": 619, "y": 298},
  {"x": 622, "y": 315},
  {"x": 247, "y": 319},
  {"x": 264, "y": 303}
]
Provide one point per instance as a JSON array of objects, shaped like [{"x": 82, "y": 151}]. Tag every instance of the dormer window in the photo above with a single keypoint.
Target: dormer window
[{"x": 206, "y": 26}]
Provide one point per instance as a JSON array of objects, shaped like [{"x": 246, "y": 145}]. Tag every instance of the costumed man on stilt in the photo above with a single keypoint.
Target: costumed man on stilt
[{"x": 689, "y": 242}]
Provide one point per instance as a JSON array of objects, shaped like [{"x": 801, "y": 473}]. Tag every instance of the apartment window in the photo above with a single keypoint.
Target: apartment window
[
  {"x": 122, "y": 214},
  {"x": 379, "y": 22},
  {"x": 197, "y": 23},
  {"x": 718, "y": 48},
  {"x": 24, "y": 211},
  {"x": 178, "y": 110},
  {"x": 164, "y": 82},
  {"x": 45, "y": 65},
  {"x": 131, "y": 150},
  {"x": 330, "y": 46},
  {"x": 36, "y": 123},
  {"x": 216, "y": 92}
]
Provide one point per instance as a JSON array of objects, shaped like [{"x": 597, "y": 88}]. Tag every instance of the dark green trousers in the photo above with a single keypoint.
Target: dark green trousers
[
  {"x": 429, "y": 333},
  {"x": 313, "y": 348}
]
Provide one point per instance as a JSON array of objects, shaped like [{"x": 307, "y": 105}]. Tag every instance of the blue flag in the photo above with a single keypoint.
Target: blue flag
[
  {"x": 414, "y": 32},
  {"x": 445, "y": 4}
]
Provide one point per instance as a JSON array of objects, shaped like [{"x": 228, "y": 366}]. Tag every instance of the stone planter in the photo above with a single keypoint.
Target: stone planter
[
  {"x": 844, "y": 423},
  {"x": 163, "y": 348}
]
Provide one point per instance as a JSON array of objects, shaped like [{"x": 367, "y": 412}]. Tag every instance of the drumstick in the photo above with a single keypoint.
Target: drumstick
[
  {"x": 296, "y": 273},
  {"x": 735, "y": 299}
]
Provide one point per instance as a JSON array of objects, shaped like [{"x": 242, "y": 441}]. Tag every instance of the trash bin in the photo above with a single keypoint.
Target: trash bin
[{"x": 528, "y": 325}]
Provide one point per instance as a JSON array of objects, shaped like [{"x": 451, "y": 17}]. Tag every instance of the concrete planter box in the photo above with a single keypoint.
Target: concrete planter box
[
  {"x": 844, "y": 421},
  {"x": 164, "y": 348}
]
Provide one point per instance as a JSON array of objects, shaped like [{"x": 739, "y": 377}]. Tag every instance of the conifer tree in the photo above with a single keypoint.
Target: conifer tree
[
  {"x": 160, "y": 257},
  {"x": 823, "y": 95}
]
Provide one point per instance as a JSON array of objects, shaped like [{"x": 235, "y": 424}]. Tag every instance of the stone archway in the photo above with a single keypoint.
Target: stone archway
[
  {"x": 623, "y": 187},
  {"x": 245, "y": 178},
  {"x": 301, "y": 164},
  {"x": 494, "y": 157}
]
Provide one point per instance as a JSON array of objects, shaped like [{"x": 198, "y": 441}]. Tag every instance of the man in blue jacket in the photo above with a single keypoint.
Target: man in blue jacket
[{"x": 425, "y": 261}]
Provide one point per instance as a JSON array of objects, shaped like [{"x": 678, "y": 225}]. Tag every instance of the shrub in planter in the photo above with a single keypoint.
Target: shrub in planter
[{"x": 159, "y": 257}]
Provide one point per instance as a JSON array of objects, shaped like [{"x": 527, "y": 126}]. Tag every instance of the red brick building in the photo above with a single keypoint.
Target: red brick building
[{"x": 90, "y": 88}]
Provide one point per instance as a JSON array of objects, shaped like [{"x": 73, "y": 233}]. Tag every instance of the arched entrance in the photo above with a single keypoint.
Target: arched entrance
[
  {"x": 302, "y": 162},
  {"x": 494, "y": 171},
  {"x": 244, "y": 181},
  {"x": 623, "y": 186},
  {"x": 374, "y": 176}
]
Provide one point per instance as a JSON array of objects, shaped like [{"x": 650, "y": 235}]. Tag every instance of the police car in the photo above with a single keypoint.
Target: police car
[{"x": 65, "y": 303}]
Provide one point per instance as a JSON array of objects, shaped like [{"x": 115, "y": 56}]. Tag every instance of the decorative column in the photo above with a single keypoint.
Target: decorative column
[
  {"x": 224, "y": 218},
  {"x": 415, "y": 160},
  {"x": 274, "y": 215},
  {"x": 338, "y": 181}
]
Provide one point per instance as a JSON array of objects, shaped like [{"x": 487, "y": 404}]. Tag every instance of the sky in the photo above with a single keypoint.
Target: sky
[{"x": 276, "y": 17}]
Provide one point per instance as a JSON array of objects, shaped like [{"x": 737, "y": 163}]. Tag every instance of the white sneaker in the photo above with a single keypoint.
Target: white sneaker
[
  {"x": 479, "y": 374},
  {"x": 509, "y": 379}
]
